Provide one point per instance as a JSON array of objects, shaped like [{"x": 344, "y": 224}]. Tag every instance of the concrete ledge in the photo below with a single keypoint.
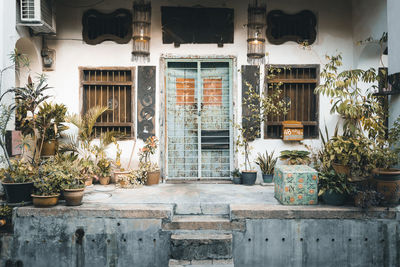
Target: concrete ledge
[
  {"x": 265, "y": 211},
  {"x": 153, "y": 211}
]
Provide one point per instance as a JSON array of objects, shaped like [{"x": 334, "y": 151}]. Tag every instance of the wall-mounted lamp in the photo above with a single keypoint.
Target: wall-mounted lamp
[
  {"x": 48, "y": 56},
  {"x": 141, "y": 30},
  {"x": 256, "y": 23}
]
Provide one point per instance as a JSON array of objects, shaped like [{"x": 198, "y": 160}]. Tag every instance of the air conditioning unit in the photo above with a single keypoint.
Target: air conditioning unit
[{"x": 39, "y": 15}]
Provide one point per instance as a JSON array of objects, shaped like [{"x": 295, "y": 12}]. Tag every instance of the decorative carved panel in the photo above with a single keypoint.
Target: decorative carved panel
[
  {"x": 299, "y": 28},
  {"x": 99, "y": 27},
  {"x": 250, "y": 77},
  {"x": 146, "y": 101}
]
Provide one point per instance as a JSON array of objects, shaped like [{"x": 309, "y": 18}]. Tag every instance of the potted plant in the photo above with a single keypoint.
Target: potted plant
[
  {"x": 334, "y": 188},
  {"x": 296, "y": 157},
  {"x": 151, "y": 169},
  {"x": 49, "y": 124},
  {"x": 118, "y": 170},
  {"x": 17, "y": 181},
  {"x": 5, "y": 216},
  {"x": 47, "y": 185},
  {"x": 267, "y": 164},
  {"x": 261, "y": 107},
  {"x": 104, "y": 171},
  {"x": 386, "y": 155},
  {"x": 236, "y": 176}
]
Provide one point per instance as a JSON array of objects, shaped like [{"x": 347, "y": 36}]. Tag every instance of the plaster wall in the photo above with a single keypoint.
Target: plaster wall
[
  {"x": 394, "y": 54},
  {"x": 335, "y": 34}
]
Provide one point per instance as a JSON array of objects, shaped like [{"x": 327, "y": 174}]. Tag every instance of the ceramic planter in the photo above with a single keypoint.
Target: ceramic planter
[
  {"x": 153, "y": 178},
  {"x": 49, "y": 148},
  {"x": 334, "y": 198},
  {"x": 18, "y": 192},
  {"x": 45, "y": 201},
  {"x": 73, "y": 197},
  {"x": 237, "y": 180},
  {"x": 388, "y": 184},
  {"x": 249, "y": 177},
  {"x": 104, "y": 180},
  {"x": 267, "y": 178}
]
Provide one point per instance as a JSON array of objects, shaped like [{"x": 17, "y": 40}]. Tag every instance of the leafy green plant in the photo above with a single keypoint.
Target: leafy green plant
[
  {"x": 354, "y": 152},
  {"x": 150, "y": 148},
  {"x": 21, "y": 171},
  {"x": 296, "y": 157},
  {"x": 104, "y": 167},
  {"x": 332, "y": 182},
  {"x": 266, "y": 162},
  {"x": 261, "y": 106},
  {"x": 49, "y": 121},
  {"x": 236, "y": 173}
]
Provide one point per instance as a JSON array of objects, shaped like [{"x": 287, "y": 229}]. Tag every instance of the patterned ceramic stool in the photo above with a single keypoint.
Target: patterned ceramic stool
[{"x": 296, "y": 185}]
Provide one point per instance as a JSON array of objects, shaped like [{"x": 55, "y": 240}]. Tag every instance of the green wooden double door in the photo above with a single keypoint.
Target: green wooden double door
[{"x": 198, "y": 121}]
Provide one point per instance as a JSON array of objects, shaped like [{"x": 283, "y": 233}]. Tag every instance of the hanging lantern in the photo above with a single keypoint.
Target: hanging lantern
[
  {"x": 257, "y": 17},
  {"x": 141, "y": 30}
]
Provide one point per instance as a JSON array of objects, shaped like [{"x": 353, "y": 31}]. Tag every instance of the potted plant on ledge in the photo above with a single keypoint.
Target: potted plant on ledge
[
  {"x": 151, "y": 169},
  {"x": 386, "y": 155},
  {"x": 47, "y": 185},
  {"x": 333, "y": 188},
  {"x": 267, "y": 164}
]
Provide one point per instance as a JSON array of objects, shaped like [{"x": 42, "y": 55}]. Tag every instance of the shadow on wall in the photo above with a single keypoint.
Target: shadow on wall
[{"x": 26, "y": 47}]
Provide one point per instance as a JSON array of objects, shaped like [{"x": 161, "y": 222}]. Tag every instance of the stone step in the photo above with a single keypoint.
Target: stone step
[
  {"x": 202, "y": 222},
  {"x": 196, "y": 246},
  {"x": 202, "y": 208},
  {"x": 201, "y": 263}
]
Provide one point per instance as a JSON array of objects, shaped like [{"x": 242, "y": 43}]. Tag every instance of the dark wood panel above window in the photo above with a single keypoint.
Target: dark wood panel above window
[
  {"x": 183, "y": 25},
  {"x": 99, "y": 27},
  {"x": 112, "y": 88},
  {"x": 297, "y": 83},
  {"x": 299, "y": 28}
]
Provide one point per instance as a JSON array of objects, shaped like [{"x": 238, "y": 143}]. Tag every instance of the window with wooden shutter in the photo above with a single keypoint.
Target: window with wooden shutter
[
  {"x": 297, "y": 83},
  {"x": 112, "y": 88}
]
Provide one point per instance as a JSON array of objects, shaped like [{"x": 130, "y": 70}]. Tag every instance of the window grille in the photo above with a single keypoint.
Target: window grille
[
  {"x": 297, "y": 84},
  {"x": 112, "y": 88}
]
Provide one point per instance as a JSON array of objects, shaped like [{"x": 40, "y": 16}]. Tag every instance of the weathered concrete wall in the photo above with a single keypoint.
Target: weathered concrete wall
[
  {"x": 74, "y": 239},
  {"x": 315, "y": 242}
]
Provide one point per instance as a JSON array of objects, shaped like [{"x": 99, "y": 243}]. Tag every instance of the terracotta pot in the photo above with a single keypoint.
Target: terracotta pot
[
  {"x": 387, "y": 183},
  {"x": 49, "y": 148},
  {"x": 115, "y": 175},
  {"x": 153, "y": 178},
  {"x": 89, "y": 181},
  {"x": 73, "y": 197},
  {"x": 341, "y": 169},
  {"x": 104, "y": 180},
  {"x": 45, "y": 201},
  {"x": 18, "y": 192}
]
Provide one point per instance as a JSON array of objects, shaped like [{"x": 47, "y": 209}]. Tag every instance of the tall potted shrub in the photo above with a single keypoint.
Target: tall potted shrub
[
  {"x": 269, "y": 103},
  {"x": 152, "y": 171}
]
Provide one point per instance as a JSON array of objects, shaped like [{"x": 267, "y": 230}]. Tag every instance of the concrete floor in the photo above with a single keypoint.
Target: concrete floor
[{"x": 182, "y": 193}]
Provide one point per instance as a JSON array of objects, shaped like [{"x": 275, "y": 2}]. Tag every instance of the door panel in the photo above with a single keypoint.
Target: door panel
[{"x": 198, "y": 119}]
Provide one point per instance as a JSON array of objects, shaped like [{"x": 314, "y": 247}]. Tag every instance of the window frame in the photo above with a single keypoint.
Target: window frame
[
  {"x": 304, "y": 81},
  {"x": 131, "y": 83}
]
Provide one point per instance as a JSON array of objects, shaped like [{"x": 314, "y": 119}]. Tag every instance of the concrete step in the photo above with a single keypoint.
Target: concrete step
[
  {"x": 202, "y": 222},
  {"x": 202, "y": 208},
  {"x": 199, "y": 246},
  {"x": 201, "y": 263}
]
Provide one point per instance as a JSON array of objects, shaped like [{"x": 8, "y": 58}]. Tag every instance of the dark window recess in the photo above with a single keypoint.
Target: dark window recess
[
  {"x": 186, "y": 25},
  {"x": 300, "y": 27},
  {"x": 297, "y": 84},
  {"x": 99, "y": 27},
  {"x": 112, "y": 88}
]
